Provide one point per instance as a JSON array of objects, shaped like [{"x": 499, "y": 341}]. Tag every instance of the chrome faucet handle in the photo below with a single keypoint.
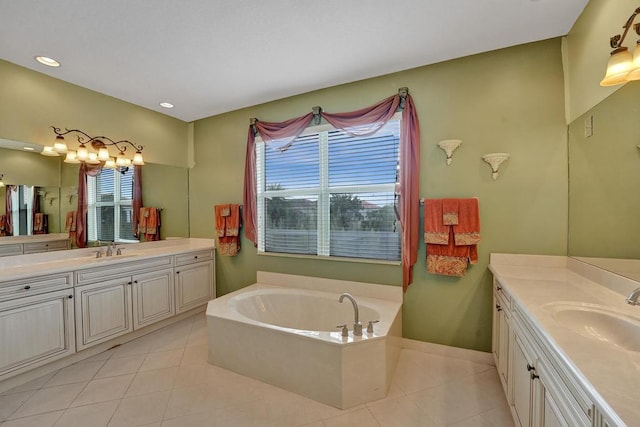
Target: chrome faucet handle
[
  {"x": 118, "y": 251},
  {"x": 370, "y": 326},
  {"x": 345, "y": 330},
  {"x": 98, "y": 254}
]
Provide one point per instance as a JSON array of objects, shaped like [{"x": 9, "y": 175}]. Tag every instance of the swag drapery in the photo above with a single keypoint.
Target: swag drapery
[
  {"x": 83, "y": 206},
  {"x": 365, "y": 121}
]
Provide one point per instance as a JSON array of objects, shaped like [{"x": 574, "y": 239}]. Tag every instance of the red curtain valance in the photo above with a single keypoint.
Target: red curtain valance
[{"x": 365, "y": 121}]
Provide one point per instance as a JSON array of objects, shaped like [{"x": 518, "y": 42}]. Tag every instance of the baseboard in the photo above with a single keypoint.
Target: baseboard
[{"x": 448, "y": 351}]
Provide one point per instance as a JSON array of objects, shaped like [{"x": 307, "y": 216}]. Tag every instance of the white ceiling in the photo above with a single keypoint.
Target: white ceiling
[{"x": 212, "y": 56}]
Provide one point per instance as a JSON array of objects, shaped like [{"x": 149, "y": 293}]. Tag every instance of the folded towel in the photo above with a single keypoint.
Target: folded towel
[
  {"x": 38, "y": 221},
  {"x": 70, "y": 221},
  {"x": 449, "y": 259},
  {"x": 467, "y": 231},
  {"x": 142, "y": 220},
  {"x": 450, "y": 211},
  {"x": 3, "y": 219},
  {"x": 232, "y": 221},
  {"x": 434, "y": 230},
  {"x": 220, "y": 219}
]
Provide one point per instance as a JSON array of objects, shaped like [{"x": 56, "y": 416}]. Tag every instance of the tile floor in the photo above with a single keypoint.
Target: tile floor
[{"x": 163, "y": 379}]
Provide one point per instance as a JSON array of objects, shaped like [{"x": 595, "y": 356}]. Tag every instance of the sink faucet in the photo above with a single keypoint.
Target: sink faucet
[
  {"x": 633, "y": 297},
  {"x": 357, "y": 326}
]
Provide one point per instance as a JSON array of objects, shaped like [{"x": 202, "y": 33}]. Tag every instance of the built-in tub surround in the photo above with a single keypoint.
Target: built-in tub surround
[
  {"x": 581, "y": 312},
  {"x": 283, "y": 331}
]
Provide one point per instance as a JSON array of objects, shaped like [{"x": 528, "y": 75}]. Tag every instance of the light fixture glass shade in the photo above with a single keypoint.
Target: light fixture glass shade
[
  {"x": 137, "y": 159},
  {"x": 59, "y": 145},
  {"x": 103, "y": 154},
  {"x": 109, "y": 164},
  {"x": 618, "y": 67},
  {"x": 634, "y": 74},
  {"x": 93, "y": 159},
  {"x": 71, "y": 158},
  {"x": 49, "y": 151},
  {"x": 83, "y": 153},
  {"x": 121, "y": 160}
]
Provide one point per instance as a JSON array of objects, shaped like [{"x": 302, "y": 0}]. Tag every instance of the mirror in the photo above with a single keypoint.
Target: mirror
[
  {"x": 164, "y": 187},
  {"x": 604, "y": 184},
  {"x": 36, "y": 210}
]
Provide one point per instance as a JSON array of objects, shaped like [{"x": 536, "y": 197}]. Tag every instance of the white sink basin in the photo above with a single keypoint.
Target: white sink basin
[{"x": 599, "y": 323}]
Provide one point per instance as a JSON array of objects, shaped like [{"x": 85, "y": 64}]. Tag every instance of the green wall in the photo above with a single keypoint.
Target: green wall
[
  {"x": 507, "y": 100},
  {"x": 30, "y": 102}
]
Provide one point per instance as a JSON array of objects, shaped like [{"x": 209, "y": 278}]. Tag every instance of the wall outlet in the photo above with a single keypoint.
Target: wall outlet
[{"x": 588, "y": 126}]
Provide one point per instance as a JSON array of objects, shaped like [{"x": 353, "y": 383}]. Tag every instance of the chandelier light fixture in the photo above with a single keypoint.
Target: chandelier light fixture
[
  {"x": 94, "y": 150},
  {"x": 623, "y": 66}
]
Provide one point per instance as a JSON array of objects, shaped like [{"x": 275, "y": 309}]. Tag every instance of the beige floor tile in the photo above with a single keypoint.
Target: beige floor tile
[
  {"x": 200, "y": 419},
  {"x": 76, "y": 373},
  {"x": 193, "y": 374},
  {"x": 360, "y": 418},
  {"x": 49, "y": 399},
  {"x": 103, "y": 390},
  {"x": 160, "y": 360},
  {"x": 152, "y": 381},
  {"x": 140, "y": 410},
  {"x": 43, "y": 420},
  {"x": 401, "y": 412},
  {"x": 95, "y": 415},
  {"x": 31, "y": 385},
  {"x": 11, "y": 402},
  {"x": 166, "y": 343},
  {"x": 190, "y": 400},
  {"x": 195, "y": 355},
  {"x": 120, "y": 366},
  {"x": 105, "y": 355},
  {"x": 132, "y": 348}
]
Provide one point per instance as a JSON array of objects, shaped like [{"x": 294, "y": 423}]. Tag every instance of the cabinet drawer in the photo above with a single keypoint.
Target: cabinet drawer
[
  {"x": 13, "y": 249},
  {"x": 192, "y": 257},
  {"x": 37, "y": 247},
  {"x": 501, "y": 293},
  {"x": 110, "y": 271},
  {"x": 35, "y": 285}
]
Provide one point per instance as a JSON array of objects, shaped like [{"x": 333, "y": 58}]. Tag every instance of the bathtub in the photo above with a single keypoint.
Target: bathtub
[{"x": 282, "y": 331}]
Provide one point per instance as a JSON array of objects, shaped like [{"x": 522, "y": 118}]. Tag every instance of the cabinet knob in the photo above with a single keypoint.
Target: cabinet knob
[
  {"x": 530, "y": 368},
  {"x": 534, "y": 376},
  {"x": 27, "y": 287},
  {"x": 498, "y": 307},
  {"x": 195, "y": 257},
  {"x": 177, "y": 272},
  {"x": 135, "y": 281},
  {"x": 70, "y": 296},
  {"x": 128, "y": 283},
  {"x": 498, "y": 287}
]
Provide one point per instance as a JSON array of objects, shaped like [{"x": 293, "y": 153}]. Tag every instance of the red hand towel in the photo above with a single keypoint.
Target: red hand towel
[
  {"x": 220, "y": 219},
  {"x": 232, "y": 224},
  {"x": 450, "y": 211},
  {"x": 467, "y": 232},
  {"x": 434, "y": 231},
  {"x": 448, "y": 260}
]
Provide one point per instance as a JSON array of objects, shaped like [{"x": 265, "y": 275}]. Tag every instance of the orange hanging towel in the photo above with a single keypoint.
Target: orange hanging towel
[
  {"x": 460, "y": 217},
  {"x": 227, "y": 222}
]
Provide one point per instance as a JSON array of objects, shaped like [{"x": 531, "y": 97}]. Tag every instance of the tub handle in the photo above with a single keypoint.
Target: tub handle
[
  {"x": 345, "y": 330},
  {"x": 370, "y": 326}
]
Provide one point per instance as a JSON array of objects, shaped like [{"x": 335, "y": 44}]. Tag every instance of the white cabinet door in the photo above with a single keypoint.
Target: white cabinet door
[
  {"x": 522, "y": 384},
  {"x": 36, "y": 330},
  {"x": 552, "y": 414},
  {"x": 194, "y": 285},
  {"x": 103, "y": 311},
  {"x": 153, "y": 297}
]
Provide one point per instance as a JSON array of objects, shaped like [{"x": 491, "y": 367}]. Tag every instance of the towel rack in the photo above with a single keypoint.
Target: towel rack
[{"x": 474, "y": 197}]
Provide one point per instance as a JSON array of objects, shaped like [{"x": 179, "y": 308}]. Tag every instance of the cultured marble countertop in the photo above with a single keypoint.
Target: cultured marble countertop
[
  {"x": 23, "y": 266},
  {"x": 610, "y": 374}
]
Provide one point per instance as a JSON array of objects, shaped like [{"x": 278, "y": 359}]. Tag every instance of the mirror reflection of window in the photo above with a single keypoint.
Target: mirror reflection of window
[
  {"x": 22, "y": 210},
  {"x": 110, "y": 212}
]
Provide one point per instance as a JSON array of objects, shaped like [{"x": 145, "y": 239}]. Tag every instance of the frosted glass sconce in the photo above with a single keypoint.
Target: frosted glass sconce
[
  {"x": 495, "y": 160},
  {"x": 449, "y": 146}
]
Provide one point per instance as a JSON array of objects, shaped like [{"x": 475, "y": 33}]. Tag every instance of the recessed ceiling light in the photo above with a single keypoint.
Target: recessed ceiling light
[
  {"x": 166, "y": 104},
  {"x": 45, "y": 60},
  {"x": 28, "y": 148}
]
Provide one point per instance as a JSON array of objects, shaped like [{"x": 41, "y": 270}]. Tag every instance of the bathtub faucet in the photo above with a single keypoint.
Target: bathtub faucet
[{"x": 357, "y": 326}]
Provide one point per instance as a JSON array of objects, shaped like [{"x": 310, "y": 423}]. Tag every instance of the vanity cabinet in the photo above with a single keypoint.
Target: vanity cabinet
[
  {"x": 539, "y": 392},
  {"x": 35, "y": 330},
  {"x": 54, "y": 245},
  {"x": 501, "y": 336},
  {"x": 125, "y": 301},
  {"x": 195, "y": 282}
]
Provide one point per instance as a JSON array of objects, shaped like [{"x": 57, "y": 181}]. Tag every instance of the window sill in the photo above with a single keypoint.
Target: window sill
[{"x": 330, "y": 258}]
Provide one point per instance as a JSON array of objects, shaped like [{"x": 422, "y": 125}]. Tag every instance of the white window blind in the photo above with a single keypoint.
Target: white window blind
[
  {"x": 110, "y": 213},
  {"x": 331, "y": 194}
]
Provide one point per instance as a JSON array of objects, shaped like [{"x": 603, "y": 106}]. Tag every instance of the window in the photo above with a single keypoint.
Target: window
[
  {"x": 330, "y": 194},
  {"x": 110, "y": 212}
]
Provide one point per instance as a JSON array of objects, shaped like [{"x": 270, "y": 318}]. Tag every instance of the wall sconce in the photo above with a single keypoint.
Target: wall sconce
[
  {"x": 449, "y": 146},
  {"x": 50, "y": 200},
  {"x": 622, "y": 66},
  {"x": 1, "y": 180},
  {"x": 495, "y": 160},
  {"x": 100, "y": 156}
]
